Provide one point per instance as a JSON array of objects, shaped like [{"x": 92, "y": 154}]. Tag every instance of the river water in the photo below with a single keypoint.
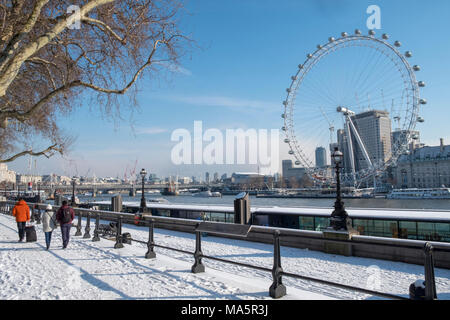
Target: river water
[{"x": 443, "y": 204}]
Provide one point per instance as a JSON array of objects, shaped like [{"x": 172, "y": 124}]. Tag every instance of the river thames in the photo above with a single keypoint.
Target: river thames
[{"x": 438, "y": 204}]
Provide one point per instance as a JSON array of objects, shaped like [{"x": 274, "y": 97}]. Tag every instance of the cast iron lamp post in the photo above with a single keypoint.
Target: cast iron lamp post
[
  {"x": 73, "y": 190},
  {"x": 339, "y": 218},
  {"x": 143, "y": 173}
]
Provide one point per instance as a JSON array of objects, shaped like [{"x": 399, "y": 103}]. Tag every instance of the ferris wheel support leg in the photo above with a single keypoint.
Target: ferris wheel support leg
[{"x": 360, "y": 142}]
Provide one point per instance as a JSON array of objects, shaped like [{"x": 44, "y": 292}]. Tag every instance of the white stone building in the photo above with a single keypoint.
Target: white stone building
[
  {"x": 6, "y": 175},
  {"x": 424, "y": 167}
]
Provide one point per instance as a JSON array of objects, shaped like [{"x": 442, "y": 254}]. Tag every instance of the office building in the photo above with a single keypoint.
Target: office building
[{"x": 321, "y": 157}]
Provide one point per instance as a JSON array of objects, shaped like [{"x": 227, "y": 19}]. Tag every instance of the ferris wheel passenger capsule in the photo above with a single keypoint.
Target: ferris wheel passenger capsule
[
  {"x": 385, "y": 36},
  {"x": 291, "y": 152},
  {"x": 371, "y": 33},
  {"x": 331, "y": 39},
  {"x": 288, "y": 90},
  {"x": 283, "y": 116},
  {"x": 408, "y": 54},
  {"x": 397, "y": 44},
  {"x": 416, "y": 68},
  {"x": 283, "y": 128},
  {"x": 285, "y": 103},
  {"x": 309, "y": 56},
  {"x": 420, "y": 119},
  {"x": 358, "y": 32},
  {"x": 297, "y": 163},
  {"x": 300, "y": 66},
  {"x": 421, "y": 84},
  {"x": 423, "y": 101},
  {"x": 344, "y": 34},
  {"x": 294, "y": 78},
  {"x": 286, "y": 140}
]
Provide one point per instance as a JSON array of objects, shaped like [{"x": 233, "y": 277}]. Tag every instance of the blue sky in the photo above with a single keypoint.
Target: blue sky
[{"x": 238, "y": 76}]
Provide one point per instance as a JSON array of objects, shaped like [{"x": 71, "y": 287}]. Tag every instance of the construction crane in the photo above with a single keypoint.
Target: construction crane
[
  {"x": 132, "y": 172},
  {"x": 331, "y": 126},
  {"x": 86, "y": 175},
  {"x": 125, "y": 175}
]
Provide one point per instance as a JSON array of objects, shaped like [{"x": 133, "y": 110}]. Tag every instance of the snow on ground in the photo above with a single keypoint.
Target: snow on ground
[{"x": 95, "y": 270}]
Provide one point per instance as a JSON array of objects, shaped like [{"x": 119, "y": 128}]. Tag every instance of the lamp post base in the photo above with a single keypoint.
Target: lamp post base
[{"x": 340, "y": 248}]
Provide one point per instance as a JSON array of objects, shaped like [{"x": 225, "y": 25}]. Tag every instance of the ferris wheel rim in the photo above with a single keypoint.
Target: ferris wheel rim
[{"x": 324, "y": 50}]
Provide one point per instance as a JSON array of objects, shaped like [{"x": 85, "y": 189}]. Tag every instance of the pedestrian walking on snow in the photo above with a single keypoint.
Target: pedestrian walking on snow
[
  {"x": 65, "y": 216},
  {"x": 22, "y": 213},
  {"x": 48, "y": 224}
]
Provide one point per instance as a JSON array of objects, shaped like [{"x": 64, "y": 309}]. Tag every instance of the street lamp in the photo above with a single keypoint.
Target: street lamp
[
  {"x": 73, "y": 190},
  {"x": 143, "y": 173},
  {"x": 339, "y": 218}
]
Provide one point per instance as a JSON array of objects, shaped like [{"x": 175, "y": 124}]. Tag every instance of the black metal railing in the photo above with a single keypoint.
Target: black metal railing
[{"x": 277, "y": 289}]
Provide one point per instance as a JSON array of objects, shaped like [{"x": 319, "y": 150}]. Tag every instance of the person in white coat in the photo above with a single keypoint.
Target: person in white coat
[{"x": 48, "y": 224}]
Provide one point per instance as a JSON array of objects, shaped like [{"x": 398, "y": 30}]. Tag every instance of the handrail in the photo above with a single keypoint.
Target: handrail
[{"x": 277, "y": 271}]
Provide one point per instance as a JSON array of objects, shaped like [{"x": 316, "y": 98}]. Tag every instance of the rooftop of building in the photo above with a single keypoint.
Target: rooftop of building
[{"x": 429, "y": 152}]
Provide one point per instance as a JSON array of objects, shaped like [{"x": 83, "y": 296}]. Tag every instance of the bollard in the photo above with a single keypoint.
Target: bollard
[
  {"x": 242, "y": 213},
  {"x": 430, "y": 281},
  {"x": 39, "y": 216},
  {"x": 198, "y": 266},
  {"x": 32, "y": 214},
  {"x": 116, "y": 203},
  {"x": 151, "y": 243},
  {"x": 97, "y": 223},
  {"x": 119, "y": 243},
  {"x": 78, "y": 233},
  {"x": 87, "y": 230},
  {"x": 277, "y": 289}
]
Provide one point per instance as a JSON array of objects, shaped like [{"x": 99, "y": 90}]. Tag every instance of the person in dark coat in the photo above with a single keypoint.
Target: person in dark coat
[{"x": 65, "y": 216}]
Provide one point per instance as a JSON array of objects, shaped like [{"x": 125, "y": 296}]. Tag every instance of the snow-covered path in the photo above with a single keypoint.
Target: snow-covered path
[{"x": 95, "y": 270}]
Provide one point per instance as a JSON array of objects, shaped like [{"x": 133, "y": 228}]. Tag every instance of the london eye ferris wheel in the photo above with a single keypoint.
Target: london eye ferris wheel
[{"x": 358, "y": 93}]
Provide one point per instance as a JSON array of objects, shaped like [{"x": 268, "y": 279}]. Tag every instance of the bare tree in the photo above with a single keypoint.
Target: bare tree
[{"x": 56, "y": 54}]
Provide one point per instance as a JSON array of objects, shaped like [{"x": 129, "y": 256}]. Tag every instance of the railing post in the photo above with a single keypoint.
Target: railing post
[
  {"x": 97, "y": 223},
  {"x": 198, "y": 267},
  {"x": 119, "y": 243},
  {"x": 277, "y": 289},
  {"x": 78, "y": 233},
  {"x": 87, "y": 230},
  {"x": 151, "y": 243},
  {"x": 430, "y": 281},
  {"x": 32, "y": 214}
]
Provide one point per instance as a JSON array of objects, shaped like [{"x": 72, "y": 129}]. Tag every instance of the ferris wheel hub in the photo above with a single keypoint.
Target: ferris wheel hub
[
  {"x": 361, "y": 91},
  {"x": 345, "y": 111}
]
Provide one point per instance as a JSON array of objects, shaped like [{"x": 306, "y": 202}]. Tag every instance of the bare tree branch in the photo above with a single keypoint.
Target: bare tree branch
[
  {"x": 104, "y": 27},
  {"x": 47, "y": 153},
  {"x": 46, "y": 65}
]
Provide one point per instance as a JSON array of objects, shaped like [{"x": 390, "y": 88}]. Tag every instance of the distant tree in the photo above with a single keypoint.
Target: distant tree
[
  {"x": 52, "y": 52},
  {"x": 293, "y": 183},
  {"x": 306, "y": 182}
]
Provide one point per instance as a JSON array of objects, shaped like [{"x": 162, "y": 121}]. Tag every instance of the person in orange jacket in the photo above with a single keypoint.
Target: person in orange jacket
[{"x": 22, "y": 213}]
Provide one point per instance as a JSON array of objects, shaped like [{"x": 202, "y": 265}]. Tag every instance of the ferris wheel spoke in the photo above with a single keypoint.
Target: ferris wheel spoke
[{"x": 354, "y": 72}]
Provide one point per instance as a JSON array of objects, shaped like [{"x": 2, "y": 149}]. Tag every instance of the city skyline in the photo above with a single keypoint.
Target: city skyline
[{"x": 214, "y": 86}]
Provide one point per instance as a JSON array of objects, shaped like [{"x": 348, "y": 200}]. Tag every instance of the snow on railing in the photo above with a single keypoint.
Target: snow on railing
[{"x": 277, "y": 289}]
